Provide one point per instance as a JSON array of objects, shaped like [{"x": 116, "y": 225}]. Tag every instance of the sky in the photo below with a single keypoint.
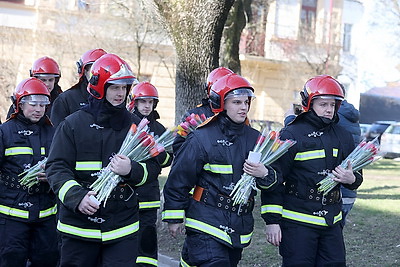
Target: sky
[{"x": 377, "y": 46}]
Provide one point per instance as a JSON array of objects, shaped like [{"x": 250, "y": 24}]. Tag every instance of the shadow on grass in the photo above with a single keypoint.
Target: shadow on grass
[
  {"x": 374, "y": 189},
  {"x": 378, "y": 196},
  {"x": 384, "y": 164}
]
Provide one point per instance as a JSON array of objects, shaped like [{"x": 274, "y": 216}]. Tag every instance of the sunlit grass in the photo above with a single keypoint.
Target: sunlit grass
[{"x": 372, "y": 234}]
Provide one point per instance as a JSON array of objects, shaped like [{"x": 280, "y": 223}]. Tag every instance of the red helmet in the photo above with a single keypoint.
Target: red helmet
[
  {"x": 231, "y": 83},
  {"x": 88, "y": 57},
  {"x": 143, "y": 90},
  {"x": 111, "y": 69},
  {"x": 320, "y": 86},
  {"x": 216, "y": 74},
  {"x": 29, "y": 87},
  {"x": 45, "y": 66}
]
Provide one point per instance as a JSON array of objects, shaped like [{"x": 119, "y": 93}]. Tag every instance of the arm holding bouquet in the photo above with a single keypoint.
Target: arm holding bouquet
[
  {"x": 257, "y": 170},
  {"x": 268, "y": 149},
  {"x": 344, "y": 176},
  {"x": 348, "y": 172}
]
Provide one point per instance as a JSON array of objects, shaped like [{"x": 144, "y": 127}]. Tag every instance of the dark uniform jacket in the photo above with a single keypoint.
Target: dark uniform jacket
[
  {"x": 149, "y": 194},
  {"x": 211, "y": 159},
  {"x": 321, "y": 146},
  {"x": 82, "y": 146},
  {"x": 349, "y": 118},
  {"x": 22, "y": 145},
  {"x": 69, "y": 101}
]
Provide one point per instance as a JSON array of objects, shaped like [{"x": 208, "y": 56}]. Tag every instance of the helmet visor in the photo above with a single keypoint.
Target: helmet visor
[
  {"x": 36, "y": 100},
  {"x": 329, "y": 97},
  {"x": 146, "y": 97},
  {"x": 46, "y": 75},
  {"x": 129, "y": 81},
  {"x": 240, "y": 92}
]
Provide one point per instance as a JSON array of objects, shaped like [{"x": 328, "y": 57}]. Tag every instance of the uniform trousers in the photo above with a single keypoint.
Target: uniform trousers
[
  {"x": 148, "y": 249},
  {"x": 305, "y": 246},
  {"x": 33, "y": 241},
  {"x": 77, "y": 252},
  {"x": 202, "y": 250}
]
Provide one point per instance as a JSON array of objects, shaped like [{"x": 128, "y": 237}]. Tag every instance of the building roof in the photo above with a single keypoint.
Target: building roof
[{"x": 387, "y": 91}]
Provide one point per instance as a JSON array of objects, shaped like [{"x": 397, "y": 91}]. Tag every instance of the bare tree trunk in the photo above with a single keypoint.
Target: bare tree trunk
[
  {"x": 196, "y": 29},
  {"x": 239, "y": 15}
]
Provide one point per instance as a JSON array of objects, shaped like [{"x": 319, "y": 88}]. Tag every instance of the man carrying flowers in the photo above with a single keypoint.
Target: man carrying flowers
[
  {"x": 212, "y": 160},
  {"x": 95, "y": 234},
  {"x": 27, "y": 213},
  {"x": 144, "y": 101},
  {"x": 303, "y": 221}
]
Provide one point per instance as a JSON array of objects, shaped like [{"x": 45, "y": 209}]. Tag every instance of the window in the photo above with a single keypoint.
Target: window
[
  {"x": 347, "y": 37},
  {"x": 307, "y": 17}
]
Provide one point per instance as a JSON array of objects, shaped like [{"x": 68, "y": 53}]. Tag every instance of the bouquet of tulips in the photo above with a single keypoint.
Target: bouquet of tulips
[
  {"x": 167, "y": 139},
  {"x": 138, "y": 146},
  {"x": 268, "y": 148},
  {"x": 190, "y": 124},
  {"x": 30, "y": 175},
  {"x": 364, "y": 154}
]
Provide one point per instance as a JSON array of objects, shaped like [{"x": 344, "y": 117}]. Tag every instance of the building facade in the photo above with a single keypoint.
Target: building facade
[{"x": 288, "y": 42}]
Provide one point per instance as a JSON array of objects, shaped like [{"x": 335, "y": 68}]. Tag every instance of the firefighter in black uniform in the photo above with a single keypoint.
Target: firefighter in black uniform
[
  {"x": 84, "y": 143},
  {"x": 77, "y": 96},
  {"x": 27, "y": 215},
  {"x": 204, "y": 107},
  {"x": 47, "y": 70},
  {"x": 144, "y": 101},
  {"x": 212, "y": 160},
  {"x": 300, "y": 220}
]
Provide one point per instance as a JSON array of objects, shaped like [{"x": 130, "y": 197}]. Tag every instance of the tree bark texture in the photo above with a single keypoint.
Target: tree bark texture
[{"x": 195, "y": 27}]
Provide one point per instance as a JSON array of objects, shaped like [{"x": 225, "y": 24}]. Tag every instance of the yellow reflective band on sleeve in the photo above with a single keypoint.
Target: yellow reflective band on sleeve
[
  {"x": 245, "y": 239},
  {"x": 147, "y": 260},
  {"x": 216, "y": 168},
  {"x": 191, "y": 191},
  {"x": 145, "y": 174},
  {"x": 149, "y": 205},
  {"x": 335, "y": 152},
  {"x": 121, "y": 232},
  {"x": 314, "y": 154},
  {"x": 173, "y": 214},
  {"x": 48, "y": 212},
  {"x": 64, "y": 189},
  {"x": 184, "y": 264},
  {"x": 271, "y": 209},
  {"x": 208, "y": 229},
  {"x": 72, "y": 230},
  {"x": 338, "y": 217},
  {"x": 306, "y": 218},
  {"x": 14, "y": 212},
  {"x": 275, "y": 181},
  {"x": 88, "y": 165},
  {"x": 12, "y": 151},
  {"x": 166, "y": 160},
  {"x": 97, "y": 234},
  {"x": 42, "y": 151}
]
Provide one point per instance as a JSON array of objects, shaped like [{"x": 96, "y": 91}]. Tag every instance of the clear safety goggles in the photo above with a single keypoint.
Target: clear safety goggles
[
  {"x": 36, "y": 100},
  {"x": 240, "y": 92}
]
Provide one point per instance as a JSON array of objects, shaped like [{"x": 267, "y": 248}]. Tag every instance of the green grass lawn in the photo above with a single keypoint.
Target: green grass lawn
[{"x": 372, "y": 232}]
